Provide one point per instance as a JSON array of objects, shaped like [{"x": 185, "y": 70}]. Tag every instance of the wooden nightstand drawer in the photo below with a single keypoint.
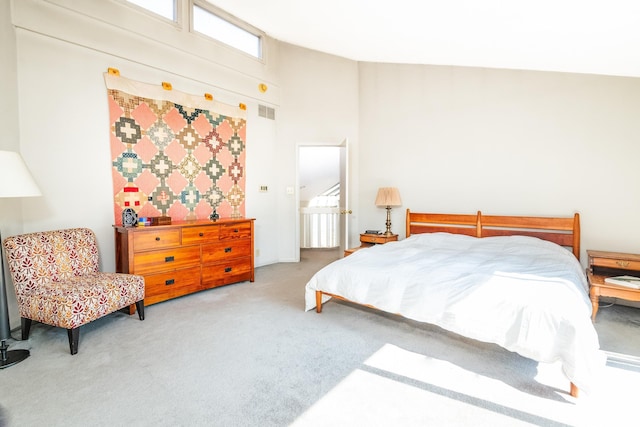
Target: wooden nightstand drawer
[
  {"x": 377, "y": 239},
  {"x": 615, "y": 263}
]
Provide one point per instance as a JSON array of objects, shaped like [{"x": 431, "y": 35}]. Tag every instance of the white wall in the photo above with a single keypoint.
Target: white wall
[
  {"x": 456, "y": 139},
  {"x": 60, "y": 50},
  {"x": 452, "y": 139},
  {"x": 63, "y": 49},
  {"x": 319, "y": 107},
  {"x": 10, "y": 209}
]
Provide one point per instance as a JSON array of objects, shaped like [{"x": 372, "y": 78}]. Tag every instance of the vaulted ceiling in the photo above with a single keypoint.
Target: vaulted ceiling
[{"x": 581, "y": 36}]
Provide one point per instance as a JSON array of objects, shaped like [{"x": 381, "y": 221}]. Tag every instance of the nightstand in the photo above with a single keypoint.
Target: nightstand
[
  {"x": 603, "y": 264},
  {"x": 367, "y": 240}
]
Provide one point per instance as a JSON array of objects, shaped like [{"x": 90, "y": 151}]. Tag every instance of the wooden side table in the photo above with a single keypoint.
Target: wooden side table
[
  {"x": 603, "y": 264},
  {"x": 367, "y": 240}
]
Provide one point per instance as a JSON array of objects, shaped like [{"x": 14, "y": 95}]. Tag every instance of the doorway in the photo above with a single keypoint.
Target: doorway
[{"x": 322, "y": 197}]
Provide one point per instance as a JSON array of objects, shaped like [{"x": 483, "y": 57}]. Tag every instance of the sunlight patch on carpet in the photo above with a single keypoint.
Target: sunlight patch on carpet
[{"x": 399, "y": 387}]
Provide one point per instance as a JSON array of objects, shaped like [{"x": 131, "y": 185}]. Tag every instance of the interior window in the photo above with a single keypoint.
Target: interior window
[
  {"x": 212, "y": 25},
  {"x": 164, "y": 8}
]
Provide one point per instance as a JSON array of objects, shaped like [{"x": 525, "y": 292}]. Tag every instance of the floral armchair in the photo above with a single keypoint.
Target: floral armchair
[{"x": 57, "y": 282}]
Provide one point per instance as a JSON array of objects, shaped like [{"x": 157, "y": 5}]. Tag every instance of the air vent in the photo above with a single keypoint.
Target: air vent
[{"x": 266, "y": 112}]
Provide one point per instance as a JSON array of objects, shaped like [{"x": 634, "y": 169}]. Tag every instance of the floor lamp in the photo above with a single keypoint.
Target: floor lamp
[{"x": 15, "y": 181}]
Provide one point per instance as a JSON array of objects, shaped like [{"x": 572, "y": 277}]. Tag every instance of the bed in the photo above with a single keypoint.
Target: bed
[{"x": 510, "y": 280}]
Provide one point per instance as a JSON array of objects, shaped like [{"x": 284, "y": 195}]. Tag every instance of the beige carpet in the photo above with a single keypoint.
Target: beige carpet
[{"x": 248, "y": 355}]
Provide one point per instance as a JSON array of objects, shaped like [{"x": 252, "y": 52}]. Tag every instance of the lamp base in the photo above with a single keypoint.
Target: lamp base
[
  {"x": 11, "y": 357},
  {"x": 388, "y": 223}
]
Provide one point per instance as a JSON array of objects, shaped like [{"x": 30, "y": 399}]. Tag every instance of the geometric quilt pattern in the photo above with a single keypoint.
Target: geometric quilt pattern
[{"x": 172, "y": 159}]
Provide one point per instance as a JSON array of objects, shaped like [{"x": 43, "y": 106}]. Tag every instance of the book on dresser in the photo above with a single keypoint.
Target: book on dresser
[{"x": 626, "y": 281}]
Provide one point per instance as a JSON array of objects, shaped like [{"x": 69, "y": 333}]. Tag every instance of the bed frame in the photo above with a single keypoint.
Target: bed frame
[{"x": 564, "y": 231}]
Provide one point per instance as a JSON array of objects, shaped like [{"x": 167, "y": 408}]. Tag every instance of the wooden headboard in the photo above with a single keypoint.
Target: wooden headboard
[{"x": 562, "y": 231}]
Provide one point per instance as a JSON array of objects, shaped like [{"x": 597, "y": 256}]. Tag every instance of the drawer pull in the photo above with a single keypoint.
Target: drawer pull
[
  {"x": 201, "y": 234},
  {"x": 169, "y": 258},
  {"x": 227, "y": 270},
  {"x": 157, "y": 239},
  {"x": 623, "y": 263},
  {"x": 236, "y": 230},
  {"x": 169, "y": 282},
  {"x": 227, "y": 250}
]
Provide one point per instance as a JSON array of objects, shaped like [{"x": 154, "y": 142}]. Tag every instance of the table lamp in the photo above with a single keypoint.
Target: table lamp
[
  {"x": 15, "y": 181},
  {"x": 386, "y": 198}
]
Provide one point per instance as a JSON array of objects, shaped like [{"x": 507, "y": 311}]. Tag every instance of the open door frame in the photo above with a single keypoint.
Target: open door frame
[{"x": 345, "y": 211}]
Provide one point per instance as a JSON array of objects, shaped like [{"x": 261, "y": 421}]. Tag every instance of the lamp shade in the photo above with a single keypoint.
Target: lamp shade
[
  {"x": 388, "y": 196},
  {"x": 15, "y": 178}
]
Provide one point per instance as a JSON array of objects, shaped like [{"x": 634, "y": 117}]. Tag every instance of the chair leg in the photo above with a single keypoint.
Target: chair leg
[
  {"x": 74, "y": 337},
  {"x": 26, "y": 327},
  {"x": 140, "y": 308}
]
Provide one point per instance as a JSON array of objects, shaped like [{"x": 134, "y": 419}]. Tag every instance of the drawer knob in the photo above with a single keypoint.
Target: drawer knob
[
  {"x": 227, "y": 270},
  {"x": 201, "y": 234},
  {"x": 169, "y": 258},
  {"x": 157, "y": 239},
  {"x": 227, "y": 250},
  {"x": 235, "y": 230},
  {"x": 169, "y": 282},
  {"x": 623, "y": 263}
]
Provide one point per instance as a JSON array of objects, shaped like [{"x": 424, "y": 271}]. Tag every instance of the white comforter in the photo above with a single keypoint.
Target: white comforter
[{"x": 527, "y": 295}]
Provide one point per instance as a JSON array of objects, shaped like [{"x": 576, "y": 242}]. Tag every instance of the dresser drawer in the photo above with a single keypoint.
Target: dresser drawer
[
  {"x": 226, "y": 272},
  {"x": 164, "y": 286},
  {"x": 235, "y": 231},
  {"x": 156, "y": 239},
  {"x": 154, "y": 261},
  {"x": 200, "y": 234},
  {"x": 226, "y": 250}
]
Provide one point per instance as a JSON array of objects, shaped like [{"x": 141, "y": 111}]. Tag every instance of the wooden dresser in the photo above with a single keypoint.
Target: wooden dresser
[{"x": 186, "y": 257}]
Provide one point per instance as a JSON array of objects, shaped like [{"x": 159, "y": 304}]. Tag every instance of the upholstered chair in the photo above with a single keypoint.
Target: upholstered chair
[{"x": 57, "y": 282}]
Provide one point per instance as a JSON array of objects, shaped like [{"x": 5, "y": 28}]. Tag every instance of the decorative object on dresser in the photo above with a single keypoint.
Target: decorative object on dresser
[
  {"x": 129, "y": 217},
  {"x": 186, "y": 256},
  {"x": 15, "y": 181},
  {"x": 57, "y": 281},
  {"x": 508, "y": 280},
  {"x": 386, "y": 198},
  {"x": 604, "y": 265}
]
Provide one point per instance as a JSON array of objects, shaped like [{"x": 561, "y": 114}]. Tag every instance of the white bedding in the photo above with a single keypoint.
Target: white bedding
[{"x": 527, "y": 295}]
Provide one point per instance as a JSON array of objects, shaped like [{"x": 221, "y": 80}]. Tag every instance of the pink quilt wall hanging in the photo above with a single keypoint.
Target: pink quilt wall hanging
[{"x": 174, "y": 154}]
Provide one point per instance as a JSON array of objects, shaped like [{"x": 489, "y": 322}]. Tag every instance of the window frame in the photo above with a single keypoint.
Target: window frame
[
  {"x": 225, "y": 16},
  {"x": 177, "y": 11}
]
